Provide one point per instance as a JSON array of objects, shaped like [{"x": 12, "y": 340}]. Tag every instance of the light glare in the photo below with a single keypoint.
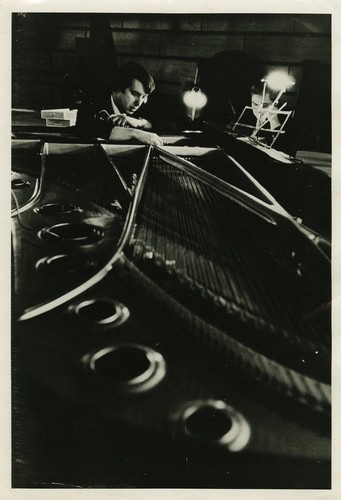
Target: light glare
[
  {"x": 195, "y": 98},
  {"x": 279, "y": 80}
]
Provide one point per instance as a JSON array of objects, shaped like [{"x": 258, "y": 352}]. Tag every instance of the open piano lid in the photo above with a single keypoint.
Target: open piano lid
[{"x": 205, "y": 330}]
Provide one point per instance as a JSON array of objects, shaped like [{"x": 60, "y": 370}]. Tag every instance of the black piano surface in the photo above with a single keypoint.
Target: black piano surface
[{"x": 170, "y": 316}]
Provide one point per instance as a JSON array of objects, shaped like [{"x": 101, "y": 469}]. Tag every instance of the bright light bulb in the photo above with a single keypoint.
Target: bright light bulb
[
  {"x": 195, "y": 98},
  {"x": 279, "y": 80}
]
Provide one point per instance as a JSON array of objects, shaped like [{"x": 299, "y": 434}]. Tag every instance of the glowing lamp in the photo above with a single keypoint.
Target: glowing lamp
[
  {"x": 279, "y": 80},
  {"x": 194, "y": 101}
]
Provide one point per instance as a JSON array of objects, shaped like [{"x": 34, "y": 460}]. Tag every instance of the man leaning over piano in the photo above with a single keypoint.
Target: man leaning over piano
[{"x": 112, "y": 115}]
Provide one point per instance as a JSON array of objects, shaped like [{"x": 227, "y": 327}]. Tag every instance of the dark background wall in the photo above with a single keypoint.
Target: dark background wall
[
  {"x": 45, "y": 46},
  {"x": 52, "y": 54}
]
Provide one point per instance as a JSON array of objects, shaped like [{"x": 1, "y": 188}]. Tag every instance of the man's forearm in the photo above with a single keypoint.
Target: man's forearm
[
  {"x": 126, "y": 134},
  {"x": 145, "y": 125},
  {"x": 140, "y": 123},
  {"x": 122, "y": 134},
  {"x": 128, "y": 121}
]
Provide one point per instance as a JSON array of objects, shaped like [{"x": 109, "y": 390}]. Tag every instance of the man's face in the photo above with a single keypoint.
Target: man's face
[
  {"x": 130, "y": 99},
  {"x": 258, "y": 107}
]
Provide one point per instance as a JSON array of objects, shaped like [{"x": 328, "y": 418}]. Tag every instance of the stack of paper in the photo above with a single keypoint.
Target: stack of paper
[{"x": 63, "y": 117}]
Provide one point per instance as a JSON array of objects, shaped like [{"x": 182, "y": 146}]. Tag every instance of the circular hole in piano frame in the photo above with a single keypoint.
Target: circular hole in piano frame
[
  {"x": 100, "y": 312},
  {"x": 57, "y": 209},
  {"x": 19, "y": 183},
  {"x": 65, "y": 264},
  {"x": 213, "y": 421},
  {"x": 128, "y": 368},
  {"x": 79, "y": 233}
]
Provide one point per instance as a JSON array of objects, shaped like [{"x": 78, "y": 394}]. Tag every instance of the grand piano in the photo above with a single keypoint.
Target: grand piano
[{"x": 171, "y": 322}]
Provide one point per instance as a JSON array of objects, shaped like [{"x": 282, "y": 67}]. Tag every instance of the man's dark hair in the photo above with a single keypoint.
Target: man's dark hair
[
  {"x": 129, "y": 71},
  {"x": 257, "y": 88}
]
